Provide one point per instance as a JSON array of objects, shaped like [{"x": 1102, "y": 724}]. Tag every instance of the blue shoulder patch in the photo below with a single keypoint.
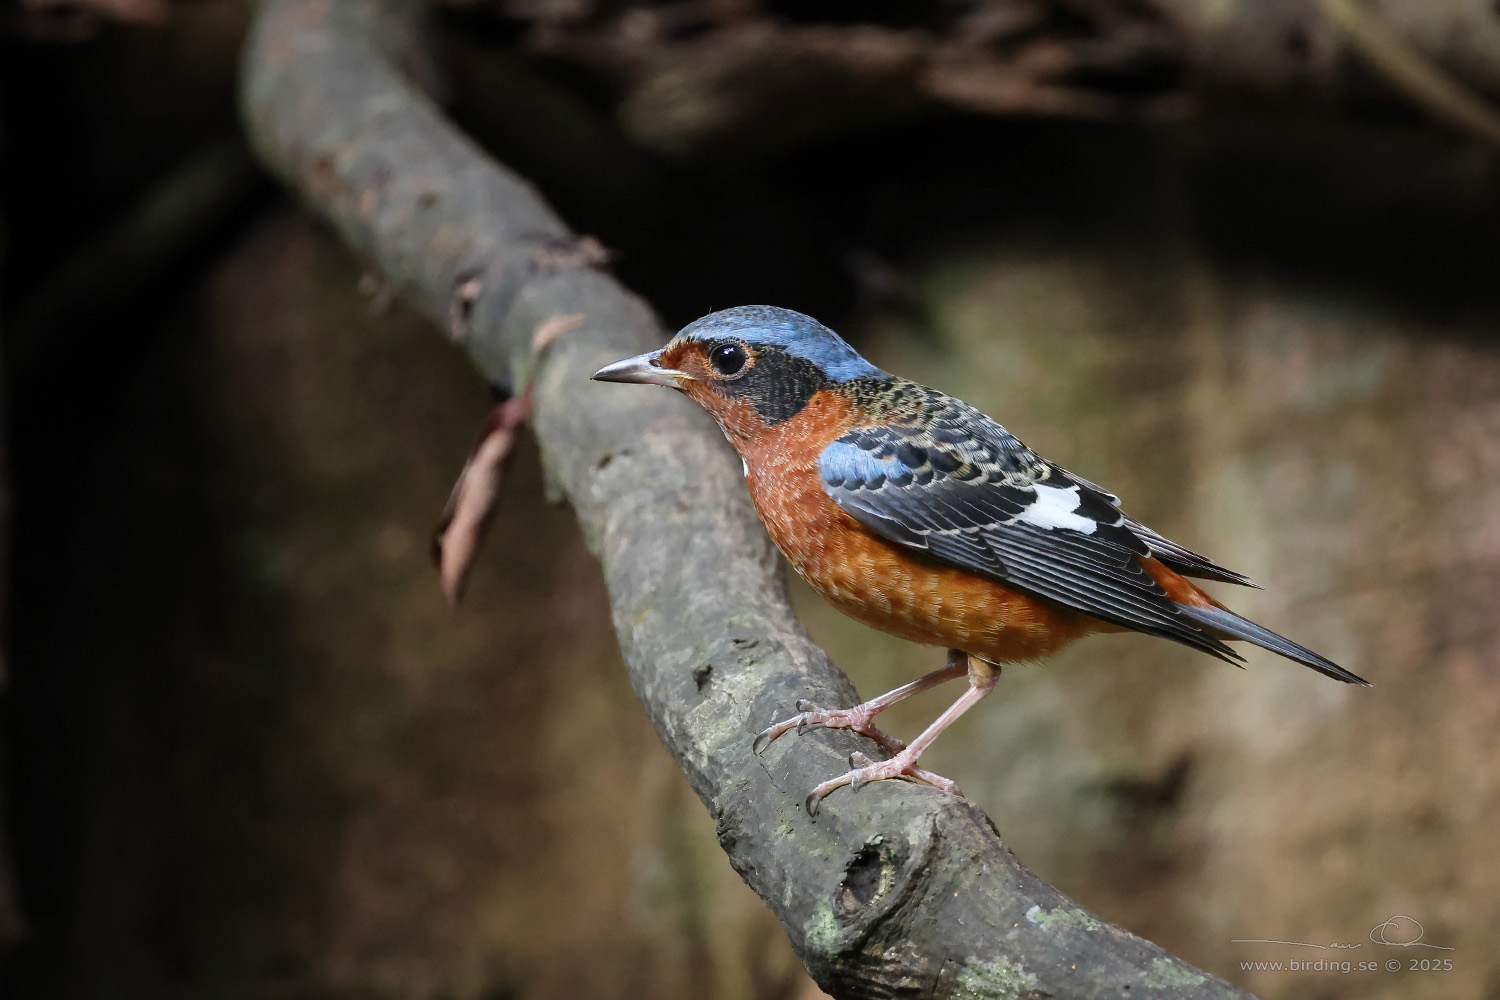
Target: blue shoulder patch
[
  {"x": 842, "y": 462},
  {"x": 799, "y": 335}
]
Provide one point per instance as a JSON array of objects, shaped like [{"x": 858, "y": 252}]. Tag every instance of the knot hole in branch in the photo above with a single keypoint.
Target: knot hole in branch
[{"x": 868, "y": 878}]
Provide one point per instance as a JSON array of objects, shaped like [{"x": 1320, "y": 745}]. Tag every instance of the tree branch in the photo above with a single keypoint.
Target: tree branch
[{"x": 896, "y": 890}]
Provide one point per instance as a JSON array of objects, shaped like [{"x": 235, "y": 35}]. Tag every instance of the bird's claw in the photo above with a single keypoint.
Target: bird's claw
[
  {"x": 810, "y": 716},
  {"x": 761, "y": 742},
  {"x": 859, "y": 766},
  {"x": 864, "y": 771}
]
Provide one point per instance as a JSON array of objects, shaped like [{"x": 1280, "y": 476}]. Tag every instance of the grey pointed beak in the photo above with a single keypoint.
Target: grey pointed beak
[{"x": 643, "y": 368}]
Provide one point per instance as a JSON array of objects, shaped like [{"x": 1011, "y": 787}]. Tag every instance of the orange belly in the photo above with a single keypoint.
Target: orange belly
[
  {"x": 877, "y": 583},
  {"x": 868, "y": 578},
  {"x": 874, "y": 582}
]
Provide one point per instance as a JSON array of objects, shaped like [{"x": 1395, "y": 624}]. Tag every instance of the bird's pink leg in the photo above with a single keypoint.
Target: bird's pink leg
[
  {"x": 982, "y": 678},
  {"x": 860, "y": 717}
]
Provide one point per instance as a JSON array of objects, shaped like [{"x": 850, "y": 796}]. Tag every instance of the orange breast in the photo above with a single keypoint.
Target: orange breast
[{"x": 875, "y": 582}]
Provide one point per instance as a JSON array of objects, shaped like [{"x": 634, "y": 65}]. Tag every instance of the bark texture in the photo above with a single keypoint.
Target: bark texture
[{"x": 898, "y": 890}]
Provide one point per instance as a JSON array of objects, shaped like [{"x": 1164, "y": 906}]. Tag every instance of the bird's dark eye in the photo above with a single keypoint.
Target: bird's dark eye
[{"x": 728, "y": 359}]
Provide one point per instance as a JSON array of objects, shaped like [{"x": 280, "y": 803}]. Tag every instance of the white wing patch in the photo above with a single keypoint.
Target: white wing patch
[{"x": 1055, "y": 507}]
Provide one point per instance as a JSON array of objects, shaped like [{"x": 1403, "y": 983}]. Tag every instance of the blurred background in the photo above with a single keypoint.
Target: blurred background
[{"x": 1238, "y": 262}]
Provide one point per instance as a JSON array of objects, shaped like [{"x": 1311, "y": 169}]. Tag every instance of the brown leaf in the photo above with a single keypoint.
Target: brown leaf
[
  {"x": 472, "y": 502},
  {"x": 553, "y": 328}
]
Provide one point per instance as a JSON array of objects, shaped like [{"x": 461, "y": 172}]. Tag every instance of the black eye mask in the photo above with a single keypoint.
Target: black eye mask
[{"x": 779, "y": 385}]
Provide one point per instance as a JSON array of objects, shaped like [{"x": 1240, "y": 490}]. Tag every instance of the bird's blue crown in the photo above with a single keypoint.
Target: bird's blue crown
[{"x": 798, "y": 335}]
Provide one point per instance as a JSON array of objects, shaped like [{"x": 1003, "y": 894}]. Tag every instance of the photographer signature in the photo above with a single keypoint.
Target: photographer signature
[{"x": 1398, "y": 931}]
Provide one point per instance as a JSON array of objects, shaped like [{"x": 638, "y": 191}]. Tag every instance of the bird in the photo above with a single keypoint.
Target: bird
[{"x": 912, "y": 512}]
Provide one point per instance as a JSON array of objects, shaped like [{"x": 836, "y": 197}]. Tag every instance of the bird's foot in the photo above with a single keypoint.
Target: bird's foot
[
  {"x": 860, "y": 718},
  {"x": 864, "y": 770}
]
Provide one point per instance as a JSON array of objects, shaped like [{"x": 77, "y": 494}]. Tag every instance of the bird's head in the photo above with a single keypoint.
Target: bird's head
[{"x": 750, "y": 367}]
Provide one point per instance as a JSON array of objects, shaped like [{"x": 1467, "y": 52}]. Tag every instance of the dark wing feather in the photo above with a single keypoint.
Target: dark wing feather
[
  {"x": 1176, "y": 557},
  {"x": 1184, "y": 560},
  {"x": 952, "y": 482}
]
